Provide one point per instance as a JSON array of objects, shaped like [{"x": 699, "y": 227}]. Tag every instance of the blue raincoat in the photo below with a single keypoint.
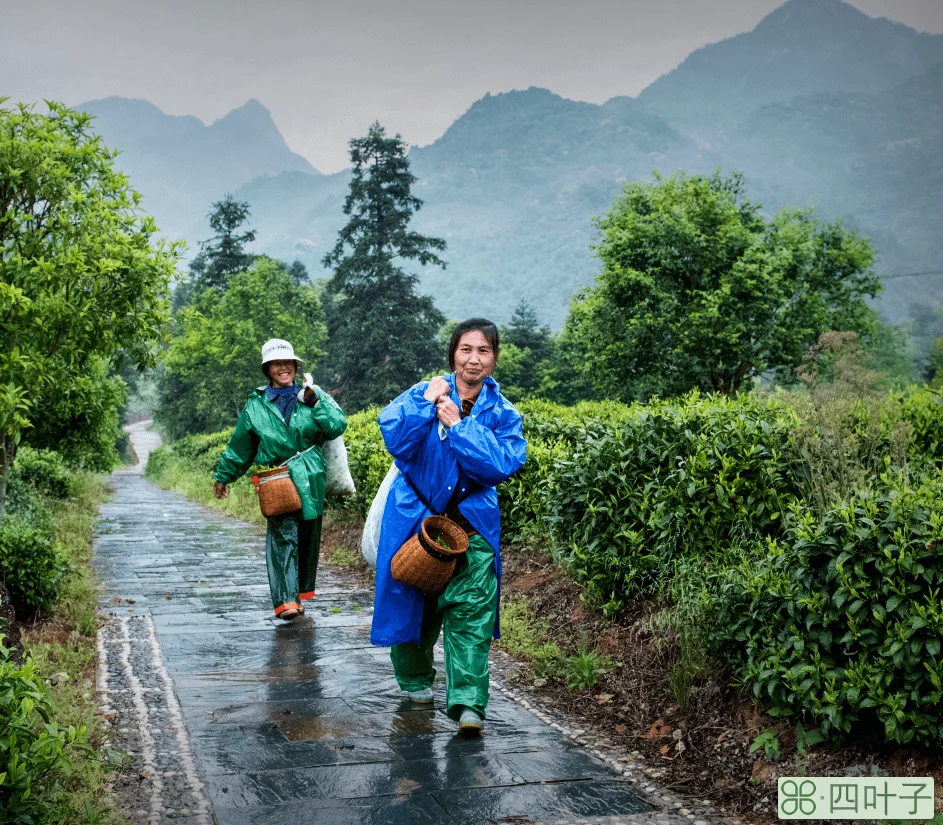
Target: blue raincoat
[{"x": 475, "y": 455}]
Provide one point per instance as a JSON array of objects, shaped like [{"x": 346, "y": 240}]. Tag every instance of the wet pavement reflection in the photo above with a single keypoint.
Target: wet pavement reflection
[{"x": 303, "y": 722}]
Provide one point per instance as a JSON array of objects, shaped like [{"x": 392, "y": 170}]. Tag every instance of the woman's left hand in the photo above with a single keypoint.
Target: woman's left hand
[{"x": 447, "y": 412}]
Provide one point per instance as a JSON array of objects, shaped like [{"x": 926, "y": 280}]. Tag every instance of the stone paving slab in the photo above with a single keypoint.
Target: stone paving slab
[{"x": 235, "y": 717}]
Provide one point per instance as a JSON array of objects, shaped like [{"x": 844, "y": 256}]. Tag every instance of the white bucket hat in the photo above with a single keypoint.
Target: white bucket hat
[{"x": 275, "y": 349}]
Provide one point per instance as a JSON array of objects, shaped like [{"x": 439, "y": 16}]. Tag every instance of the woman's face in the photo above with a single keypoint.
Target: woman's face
[
  {"x": 474, "y": 358},
  {"x": 281, "y": 373}
]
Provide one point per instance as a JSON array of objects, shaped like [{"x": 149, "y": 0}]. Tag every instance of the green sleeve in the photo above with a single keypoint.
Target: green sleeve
[
  {"x": 240, "y": 451},
  {"x": 329, "y": 416}
]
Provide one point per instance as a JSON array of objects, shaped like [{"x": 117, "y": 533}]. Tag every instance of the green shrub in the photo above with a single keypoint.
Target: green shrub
[
  {"x": 203, "y": 450},
  {"x": 923, "y": 408},
  {"x": 524, "y": 497},
  {"x": 34, "y": 751},
  {"x": 369, "y": 461},
  {"x": 840, "y": 620},
  {"x": 681, "y": 480},
  {"x": 551, "y": 431},
  {"x": 158, "y": 461},
  {"x": 586, "y": 667},
  {"x": 30, "y": 560},
  {"x": 46, "y": 470},
  {"x": 25, "y": 501}
]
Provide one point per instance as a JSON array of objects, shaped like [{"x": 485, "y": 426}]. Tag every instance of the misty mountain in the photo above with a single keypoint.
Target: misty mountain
[
  {"x": 181, "y": 165},
  {"x": 874, "y": 159},
  {"x": 805, "y": 47},
  {"x": 820, "y": 105},
  {"x": 511, "y": 187}
]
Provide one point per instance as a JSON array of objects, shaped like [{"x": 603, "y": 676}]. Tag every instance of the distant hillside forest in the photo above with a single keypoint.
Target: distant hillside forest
[{"x": 820, "y": 106}]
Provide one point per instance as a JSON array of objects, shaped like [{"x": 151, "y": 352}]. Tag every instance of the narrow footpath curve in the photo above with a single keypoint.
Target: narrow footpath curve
[{"x": 234, "y": 717}]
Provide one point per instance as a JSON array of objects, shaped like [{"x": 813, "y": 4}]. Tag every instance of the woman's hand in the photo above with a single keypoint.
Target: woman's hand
[
  {"x": 438, "y": 387},
  {"x": 447, "y": 412},
  {"x": 220, "y": 490}
]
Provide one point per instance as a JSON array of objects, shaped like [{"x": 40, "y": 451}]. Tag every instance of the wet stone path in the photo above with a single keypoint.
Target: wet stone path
[{"x": 234, "y": 717}]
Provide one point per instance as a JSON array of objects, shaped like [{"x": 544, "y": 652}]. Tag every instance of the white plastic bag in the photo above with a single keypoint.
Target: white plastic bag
[
  {"x": 339, "y": 480},
  {"x": 370, "y": 542}
]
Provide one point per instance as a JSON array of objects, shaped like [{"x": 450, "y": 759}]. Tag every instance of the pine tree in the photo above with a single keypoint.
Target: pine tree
[
  {"x": 224, "y": 254},
  {"x": 525, "y": 332},
  {"x": 383, "y": 335}
]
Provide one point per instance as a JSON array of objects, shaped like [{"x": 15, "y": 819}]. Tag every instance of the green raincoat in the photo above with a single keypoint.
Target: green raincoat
[{"x": 262, "y": 437}]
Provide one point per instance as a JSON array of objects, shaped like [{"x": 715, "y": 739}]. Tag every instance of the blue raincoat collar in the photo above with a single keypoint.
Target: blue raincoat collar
[{"x": 487, "y": 398}]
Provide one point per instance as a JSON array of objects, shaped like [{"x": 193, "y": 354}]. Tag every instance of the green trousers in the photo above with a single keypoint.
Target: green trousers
[
  {"x": 465, "y": 612},
  {"x": 292, "y": 548}
]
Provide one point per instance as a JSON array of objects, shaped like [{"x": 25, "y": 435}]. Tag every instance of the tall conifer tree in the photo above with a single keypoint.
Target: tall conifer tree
[{"x": 383, "y": 335}]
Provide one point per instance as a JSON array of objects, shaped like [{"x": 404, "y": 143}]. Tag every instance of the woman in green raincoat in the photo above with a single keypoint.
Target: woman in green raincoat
[{"x": 279, "y": 424}]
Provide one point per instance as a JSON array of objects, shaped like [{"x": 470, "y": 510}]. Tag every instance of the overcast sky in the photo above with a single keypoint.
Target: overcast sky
[{"x": 326, "y": 70}]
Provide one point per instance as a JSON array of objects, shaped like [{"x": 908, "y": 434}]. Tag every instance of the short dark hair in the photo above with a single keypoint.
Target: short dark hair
[{"x": 484, "y": 326}]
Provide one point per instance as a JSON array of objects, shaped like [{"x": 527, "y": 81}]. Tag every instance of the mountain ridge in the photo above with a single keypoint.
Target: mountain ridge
[
  {"x": 800, "y": 48},
  {"x": 513, "y": 183}
]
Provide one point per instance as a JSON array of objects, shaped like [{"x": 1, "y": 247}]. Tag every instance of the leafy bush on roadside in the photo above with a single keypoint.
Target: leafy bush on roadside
[
  {"x": 158, "y": 462},
  {"x": 551, "y": 431},
  {"x": 203, "y": 450},
  {"x": 367, "y": 456},
  {"x": 683, "y": 480},
  {"x": 46, "y": 470},
  {"x": 34, "y": 751},
  {"x": 31, "y": 562},
  {"x": 840, "y": 620},
  {"x": 923, "y": 408}
]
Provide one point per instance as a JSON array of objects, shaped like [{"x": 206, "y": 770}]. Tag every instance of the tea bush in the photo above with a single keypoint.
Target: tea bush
[
  {"x": 31, "y": 562},
  {"x": 203, "y": 451},
  {"x": 552, "y": 431},
  {"x": 840, "y": 619},
  {"x": 923, "y": 408},
  {"x": 45, "y": 470},
  {"x": 683, "y": 480},
  {"x": 369, "y": 461},
  {"x": 34, "y": 751}
]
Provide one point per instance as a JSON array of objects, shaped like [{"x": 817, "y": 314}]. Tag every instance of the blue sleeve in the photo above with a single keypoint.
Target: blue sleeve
[
  {"x": 404, "y": 423},
  {"x": 488, "y": 456}
]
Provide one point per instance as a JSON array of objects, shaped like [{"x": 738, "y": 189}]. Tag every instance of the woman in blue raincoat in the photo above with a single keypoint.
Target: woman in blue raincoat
[{"x": 453, "y": 439}]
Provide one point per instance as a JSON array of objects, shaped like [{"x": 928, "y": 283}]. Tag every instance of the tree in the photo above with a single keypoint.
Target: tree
[
  {"x": 382, "y": 334},
  {"x": 81, "y": 276},
  {"x": 697, "y": 289},
  {"x": 526, "y": 349},
  {"x": 81, "y": 418},
  {"x": 214, "y": 359},
  {"x": 524, "y": 332},
  {"x": 224, "y": 254}
]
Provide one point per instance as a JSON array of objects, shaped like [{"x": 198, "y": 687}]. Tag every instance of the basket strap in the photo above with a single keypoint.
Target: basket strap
[
  {"x": 285, "y": 463},
  {"x": 425, "y": 501},
  {"x": 431, "y": 549},
  {"x": 420, "y": 496}
]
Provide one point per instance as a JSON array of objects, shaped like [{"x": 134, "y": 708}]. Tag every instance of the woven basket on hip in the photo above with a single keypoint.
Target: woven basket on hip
[
  {"x": 427, "y": 560},
  {"x": 278, "y": 495}
]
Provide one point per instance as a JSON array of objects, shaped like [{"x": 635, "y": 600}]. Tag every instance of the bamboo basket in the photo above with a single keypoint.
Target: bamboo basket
[
  {"x": 278, "y": 495},
  {"x": 425, "y": 564}
]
